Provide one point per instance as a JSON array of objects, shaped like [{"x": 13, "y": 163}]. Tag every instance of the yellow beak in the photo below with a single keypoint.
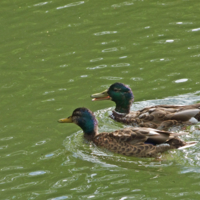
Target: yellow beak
[
  {"x": 101, "y": 96},
  {"x": 66, "y": 120}
]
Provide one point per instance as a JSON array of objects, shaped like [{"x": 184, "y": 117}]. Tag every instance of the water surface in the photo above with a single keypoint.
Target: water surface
[{"x": 54, "y": 54}]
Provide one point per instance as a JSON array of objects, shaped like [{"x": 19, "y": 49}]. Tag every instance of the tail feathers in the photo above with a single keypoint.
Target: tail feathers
[
  {"x": 185, "y": 115},
  {"x": 188, "y": 144},
  {"x": 176, "y": 143}
]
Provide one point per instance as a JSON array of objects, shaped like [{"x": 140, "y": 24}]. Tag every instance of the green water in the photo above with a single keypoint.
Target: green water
[{"x": 53, "y": 55}]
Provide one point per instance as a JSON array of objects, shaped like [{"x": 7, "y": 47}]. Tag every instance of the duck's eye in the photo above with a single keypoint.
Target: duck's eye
[
  {"x": 77, "y": 114},
  {"x": 116, "y": 90}
]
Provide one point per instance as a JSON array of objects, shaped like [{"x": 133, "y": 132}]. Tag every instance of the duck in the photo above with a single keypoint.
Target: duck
[
  {"x": 160, "y": 117},
  {"x": 130, "y": 141}
]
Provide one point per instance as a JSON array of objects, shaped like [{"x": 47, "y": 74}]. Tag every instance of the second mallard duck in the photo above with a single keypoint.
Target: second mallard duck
[
  {"x": 132, "y": 141},
  {"x": 160, "y": 117}
]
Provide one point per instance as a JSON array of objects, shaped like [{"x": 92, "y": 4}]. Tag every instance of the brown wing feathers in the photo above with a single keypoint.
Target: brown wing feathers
[
  {"x": 161, "y": 117},
  {"x": 131, "y": 141}
]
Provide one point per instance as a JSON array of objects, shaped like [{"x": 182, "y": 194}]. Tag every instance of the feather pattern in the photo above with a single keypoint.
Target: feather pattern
[
  {"x": 130, "y": 141},
  {"x": 160, "y": 117}
]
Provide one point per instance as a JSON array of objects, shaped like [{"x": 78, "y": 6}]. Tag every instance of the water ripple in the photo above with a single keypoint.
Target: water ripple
[
  {"x": 6, "y": 138},
  {"x": 42, "y": 3},
  {"x": 97, "y": 67},
  {"x": 110, "y": 49},
  {"x": 137, "y": 79},
  {"x": 108, "y": 42},
  {"x": 166, "y": 41},
  {"x": 109, "y": 177},
  {"x": 81, "y": 188},
  {"x": 42, "y": 142},
  {"x": 194, "y": 47},
  {"x": 26, "y": 185},
  {"x": 74, "y": 144},
  {"x": 71, "y": 4},
  {"x": 160, "y": 60},
  {"x": 111, "y": 78},
  {"x": 4, "y": 147},
  {"x": 121, "y": 65},
  {"x": 36, "y": 173},
  {"x": 126, "y": 3},
  {"x": 181, "y": 80},
  {"x": 11, "y": 168},
  {"x": 66, "y": 181},
  {"x": 105, "y": 33},
  {"x": 12, "y": 177},
  {"x": 61, "y": 197},
  {"x": 196, "y": 29},
  {"x": 19, "y": 152},
  {"x": 53, "y": 154},
  {"x": 96, "y": 59}
]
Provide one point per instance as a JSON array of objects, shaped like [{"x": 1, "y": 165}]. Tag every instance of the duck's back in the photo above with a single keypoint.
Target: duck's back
[{"x": 162, "y": 116}]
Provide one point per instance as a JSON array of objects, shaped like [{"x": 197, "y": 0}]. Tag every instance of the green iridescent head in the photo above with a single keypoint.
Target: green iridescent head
[
  {"x": 84, "y": 118},
  {"x": 120, "y": 93}
]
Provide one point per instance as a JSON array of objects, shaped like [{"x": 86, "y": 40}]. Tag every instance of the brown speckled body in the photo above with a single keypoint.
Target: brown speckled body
[
  {"x": 131, "y": 142},
  {"x": 161, "y": 117}
]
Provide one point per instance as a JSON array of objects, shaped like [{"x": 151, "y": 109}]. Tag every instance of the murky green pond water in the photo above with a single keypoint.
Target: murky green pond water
[{"x": 54, "y": 54}]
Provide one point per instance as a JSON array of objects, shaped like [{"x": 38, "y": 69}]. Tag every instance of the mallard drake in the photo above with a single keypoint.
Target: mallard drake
[
  {"x": 132, "y": 141},
  {"x": 160, "y": 117}
]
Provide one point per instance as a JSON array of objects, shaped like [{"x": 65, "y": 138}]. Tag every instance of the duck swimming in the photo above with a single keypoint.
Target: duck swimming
[
  {"x": 160, "y": 117},
  {"x": 132, "y": 141}
]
